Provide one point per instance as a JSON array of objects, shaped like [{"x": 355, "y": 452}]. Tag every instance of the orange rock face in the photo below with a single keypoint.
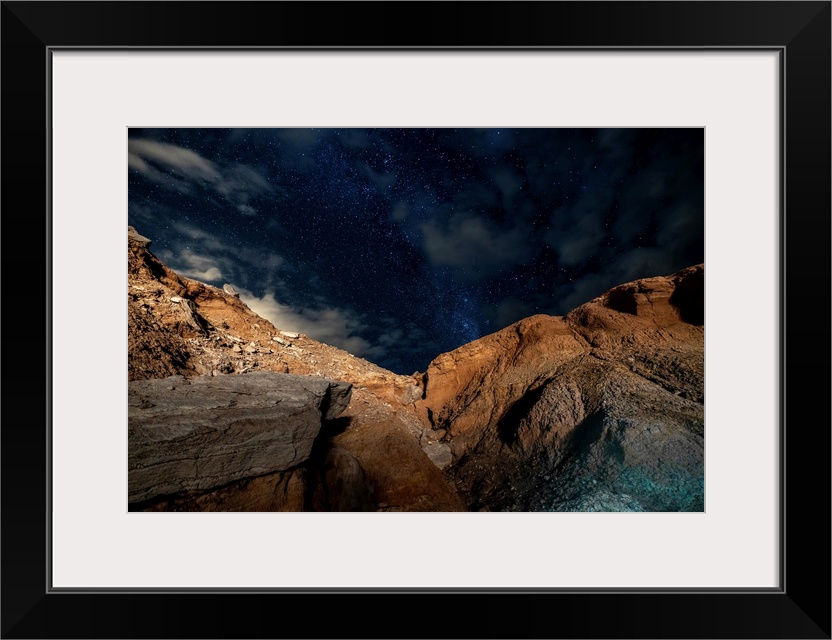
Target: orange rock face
[{"x": 613, "y": 391}]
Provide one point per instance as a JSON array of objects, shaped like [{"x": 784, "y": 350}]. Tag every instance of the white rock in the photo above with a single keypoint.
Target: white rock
[{"x": 439, "y": 454}]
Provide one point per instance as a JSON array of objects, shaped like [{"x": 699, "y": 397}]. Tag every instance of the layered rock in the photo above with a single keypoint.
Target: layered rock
[
  {"x": 602, "y": 408},
  {"x": 189, "y": 435},
  {"x": 181, "y": 326},
  {"x": 280, "y": 491}
]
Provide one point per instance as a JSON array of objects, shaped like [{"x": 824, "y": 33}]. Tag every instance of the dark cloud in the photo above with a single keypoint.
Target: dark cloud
[
  {"x": 578, "y": 230},
  {"x": 474, "y": 246},
  {"x": 183, "y": 170},
  {"x": 508, "y": 180}
]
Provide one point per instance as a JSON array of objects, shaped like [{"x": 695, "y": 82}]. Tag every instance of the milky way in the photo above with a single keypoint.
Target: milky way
[{"x": 400, "y": 244}]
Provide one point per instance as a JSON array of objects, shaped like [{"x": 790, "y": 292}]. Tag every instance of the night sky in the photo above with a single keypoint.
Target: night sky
[{"x": 400, "y": 244}]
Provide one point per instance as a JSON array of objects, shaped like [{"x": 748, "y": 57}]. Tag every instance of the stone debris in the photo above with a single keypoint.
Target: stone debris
[
  {"x": 192, "y": 317},
  {"x": 411, "y": 394},
  {"x": 439, "y": 454}
]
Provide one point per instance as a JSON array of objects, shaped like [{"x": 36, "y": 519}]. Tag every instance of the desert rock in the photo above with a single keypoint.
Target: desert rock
[
  {"x": 377, "y": 432},
  {"x": 607, "y": 400},
  {"x": 601, "y": 409},
  {"x": 204, "y": 432}
]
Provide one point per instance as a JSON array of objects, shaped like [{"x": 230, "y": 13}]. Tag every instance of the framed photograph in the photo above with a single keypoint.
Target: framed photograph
[{"x": 89, "y": 87}]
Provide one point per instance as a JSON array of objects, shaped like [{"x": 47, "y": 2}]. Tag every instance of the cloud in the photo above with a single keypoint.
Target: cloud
[
  {"x": 681, "y": 231},
  {"x": 577, "y": 231},
  {"x": 239, "y": 183},
  {"x": 193, "y": 265},
  {"x": 509, "y": 311},
  {"x": 168, "y": 180},
  {"x": 617, "y": 146},
  {"x": 301, "y": 139},
  {"x": 184, "y": 161},
  {"x": 639, "y": 262},
  {"x": 141, "y": 213},
  {"x": 344, "y": 328},
  {"x": 397, "y": 345},
  {"x": 203, "y": 256},
  {"x": 673, "y": 176},
  {"x": 200, "y": 236},
  {"x": 483, "y": 142},
  {"x": 383, "y": 182},
  {"x": 391, "y": 337},
  {"x": 473, "y": 245},
  {"x": 507, "y": 181},
  {"x": 184, "y": 170},
  {"x": 475, "y": 197},
  {"x": 330, "y": 325},
  {"x": 580, "y": 241},
  {"x": 640, "y": 215},
  {"x": 400, "y": 212},
  {"x": 354, "y": 138}
]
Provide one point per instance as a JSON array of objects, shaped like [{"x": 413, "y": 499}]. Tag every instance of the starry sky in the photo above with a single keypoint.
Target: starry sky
[{"x": 400, "y": 244}]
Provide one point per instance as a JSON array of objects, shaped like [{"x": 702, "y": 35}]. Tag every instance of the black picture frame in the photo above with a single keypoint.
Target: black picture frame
[{"x": 800, "y": 31}]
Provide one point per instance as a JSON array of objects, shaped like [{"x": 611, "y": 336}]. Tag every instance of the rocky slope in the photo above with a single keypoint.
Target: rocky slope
[
  {"x": 369, "y": 458},
  {"x": 602, "y": 409},
  {"x": 599, "y": 410}
]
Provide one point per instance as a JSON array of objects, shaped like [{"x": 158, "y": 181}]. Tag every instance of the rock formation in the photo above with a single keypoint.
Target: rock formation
[
  {"x": 194, "y": 434},
  {"x": 602, "y": 409},
  {"x": 179, "y": 326}
]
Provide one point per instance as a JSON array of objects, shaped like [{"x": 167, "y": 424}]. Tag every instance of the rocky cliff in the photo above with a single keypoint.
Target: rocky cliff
[
  {"x": 369, "y": 458},
  {"x": 599, "y": 410},
  {"x": 602, "y": 409}
]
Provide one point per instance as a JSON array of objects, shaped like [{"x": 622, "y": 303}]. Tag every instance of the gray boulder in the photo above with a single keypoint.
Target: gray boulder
[
  {"x": 439, "y": 454},
  {"x": 194, "y": 434}
]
